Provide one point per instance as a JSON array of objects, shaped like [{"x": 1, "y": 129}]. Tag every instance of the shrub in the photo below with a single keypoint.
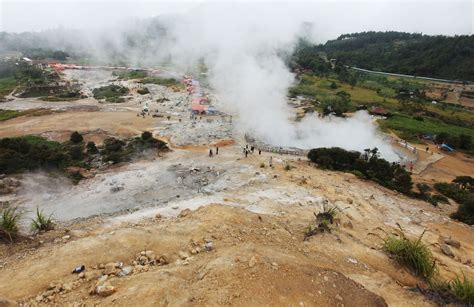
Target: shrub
[
  {"x": 91, "y": 148},
  {"x": 368, "y": 164},
  {"x": 76, "y": 137},
  {"x": 76, "y": 152},
  {"x": 464, "y": 198},
  {"x": 440, "y": 198},
  {"x": 146, "y": 135},
  {"x": 9, "y": 218},
  {"x": 358, "y": 174},
  {"x": 262, "y": 165},
  {"x": 413, "y": 254},
  {"x": 423, "y": 188},
  {"x": 29, "y": 153},
  {"x": 110, "y": 93},
  {"x": 143, "y": 91},
  {"x": 287, "y": 167},
  {"x": 42, "y": 222},
  {"x": 323, "y": 221}
]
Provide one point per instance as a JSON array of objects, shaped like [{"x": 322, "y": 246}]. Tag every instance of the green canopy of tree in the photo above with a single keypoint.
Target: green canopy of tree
[{"x": 396, "y": 52}]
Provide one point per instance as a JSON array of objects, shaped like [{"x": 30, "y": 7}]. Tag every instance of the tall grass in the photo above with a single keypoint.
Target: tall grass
[
  {"x": 462, "y": 289},
  {"x": 42, "y": 222},
  {"x": 413, "y": 254},
  {"x": 9, "y": 218}
]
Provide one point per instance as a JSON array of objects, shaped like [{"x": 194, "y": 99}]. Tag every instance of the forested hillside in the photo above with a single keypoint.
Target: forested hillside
[{"x": 397, "y": 52}]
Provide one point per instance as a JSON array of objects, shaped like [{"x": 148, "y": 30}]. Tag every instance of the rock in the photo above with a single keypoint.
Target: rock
[
  {"x": 184, "y": 213},
  {"x": 67, "y": 286},
  {"x": 150, "y": 255},
  {"x": 127, "y": 270},
  {"x": 174, "y": 207},
  {"x": 183, "y": 255},
  {"x": 81, "y": 275},
  {"x": 66, "y": 237},
  {"x": 90, "y": 275},
  {"x": 252, "y": 262},
  {"x": 452, "y": 242},
  {"x": 143, "y": 260},
  {"x": 116, "y": 189},
  {"x": 348, "y": 224},
  {"x": 102, "y": 280},
  {"x": 274, "y": 265},
  {"x": 446, "y": 250},
  {"x": 209, "y": 246},
  {"x": 163, "y": 260},
  {"x": 39, "y": 298},
  {"x": 339, "y": 298},
  {"x": 105, "y": 290},
  {"x": 110, "y": 268},
  {"x": 158, "y": 216},
  {"x": 349, "y": 200},
  {"x": 352, "y": 260}
]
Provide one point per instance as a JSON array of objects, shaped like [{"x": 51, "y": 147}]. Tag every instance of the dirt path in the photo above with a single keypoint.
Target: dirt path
[{"x": 59, "y": 126}]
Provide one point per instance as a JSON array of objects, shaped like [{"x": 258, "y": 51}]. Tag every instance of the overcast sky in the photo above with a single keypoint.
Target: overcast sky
[{"x": 331, "y": 18}]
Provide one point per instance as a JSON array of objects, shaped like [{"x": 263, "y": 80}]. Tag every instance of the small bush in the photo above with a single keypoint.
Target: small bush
[
  {"x": 287, "y": 167},
  {"x": 146, "y": 135},
  {"x": 76, "y": 137},
  {"x": 413, "y": 254},
  {"x": 111, "y": 93},
  {"x": 42, "y": 222},
  {"x": 143, "y": 91},
  {"x": 91, "y": 148},
  {"x": 9, "y": 218},
  {"x": 440, "y": 198},
  {"x": 323, "y": 221},
  {"x": 464, "y": 198},
  {"x": 358, "y": 174},
  {"x": 262, "y": 165}
]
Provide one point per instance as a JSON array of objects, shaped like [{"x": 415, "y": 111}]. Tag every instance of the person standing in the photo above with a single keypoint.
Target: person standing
[
  {"x": 217, "y": 150},
  {"x": 246, "y": 153},
  {"x": 210, "y": 153},
  {"x": 270, "y": 162},
  {"x": 259, "y": 152}
]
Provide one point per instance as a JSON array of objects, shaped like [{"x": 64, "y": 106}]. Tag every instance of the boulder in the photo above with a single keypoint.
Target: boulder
[
  {"x": 452, "y": 242},
  {"x": 183, "y": 255},
  {"x": 446, "y": 250},
  {"x": 110, "y": 268},
  {"x": 105, "y": 290}
]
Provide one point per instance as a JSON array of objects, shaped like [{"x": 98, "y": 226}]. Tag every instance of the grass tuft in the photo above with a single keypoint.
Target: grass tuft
[
  {"x": 9, "y": 218},
  {"x": 462, "y": 289},
  {"x": 413, "y": 254},
  {"x": 42, "y": 222}
]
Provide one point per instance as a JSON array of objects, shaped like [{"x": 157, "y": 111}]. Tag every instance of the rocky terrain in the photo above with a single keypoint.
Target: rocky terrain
[{"x": 183, "y": 228}]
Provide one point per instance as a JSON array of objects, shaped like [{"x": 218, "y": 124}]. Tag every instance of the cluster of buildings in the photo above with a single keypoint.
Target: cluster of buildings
[{"x": 200, "y": 103}]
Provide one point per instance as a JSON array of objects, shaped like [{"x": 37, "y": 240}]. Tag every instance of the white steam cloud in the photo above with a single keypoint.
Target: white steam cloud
[{"x": 242, "y": 46}]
